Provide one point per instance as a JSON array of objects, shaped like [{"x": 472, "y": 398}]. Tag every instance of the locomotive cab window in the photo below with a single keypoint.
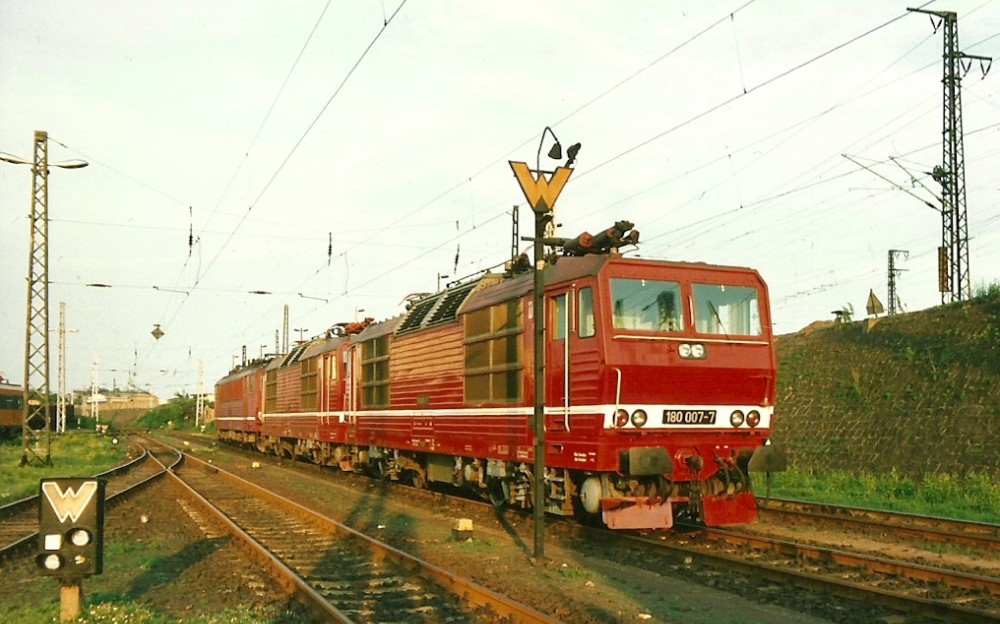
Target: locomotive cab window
[
  {"x": 727, "y": 310},
  {"x": 647, "y": 305},
  {"x": 588, "y": 322},
  {"x": 558, "y": 320}
]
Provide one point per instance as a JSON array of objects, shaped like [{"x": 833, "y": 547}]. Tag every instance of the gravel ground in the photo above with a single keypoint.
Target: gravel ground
[
  {"x": 569, "y": 584},
  {"x": 193, "y": 570}
]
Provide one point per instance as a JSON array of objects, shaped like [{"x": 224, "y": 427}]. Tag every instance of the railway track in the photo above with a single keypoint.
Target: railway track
[
  {"x": 19, "y": 520},
  {"x": 347, "y": 576},
  {"x": 932, "y": 593},
  {"x": 981, "y": 536},
  {"x": 949, "y": 595}
]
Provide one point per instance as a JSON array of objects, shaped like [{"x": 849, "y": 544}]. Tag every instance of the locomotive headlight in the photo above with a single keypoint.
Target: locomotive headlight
[
  {"x": 736, "y": 418},
  {"x": 639, "y": 417},
  {"x": 694, "y": 351},
  {"x": 621, "y": 418},
  {"x": 753, "y": 418}
]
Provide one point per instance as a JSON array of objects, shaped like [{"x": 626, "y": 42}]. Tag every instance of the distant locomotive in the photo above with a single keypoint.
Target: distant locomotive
[
  {"x": 11, "y": 410},
  {"x": 659, "y": 387}
]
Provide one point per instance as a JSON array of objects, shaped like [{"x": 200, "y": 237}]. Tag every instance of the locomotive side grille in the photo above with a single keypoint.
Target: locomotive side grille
[
  {"x": 448, "y": 310},
  {"x": 417, "y": 315},
  {"x": 296, "y": 353}
]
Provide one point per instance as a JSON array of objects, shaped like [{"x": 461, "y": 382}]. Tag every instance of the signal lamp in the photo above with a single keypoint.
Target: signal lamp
[
  {"x": 639, "y": 417},
  {"x": 753, "y": 418},
  {"x": 736, "y": 418},
  {"x": 621, "y": 418},
  {"x": 50, "y": 561},
  {"x": 79, "y": 537}
]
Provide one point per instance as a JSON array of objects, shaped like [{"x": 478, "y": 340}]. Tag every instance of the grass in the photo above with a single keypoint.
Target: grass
[
  {"x": 73, "y": 454},
  {"x": 112, "y": 609},
  {"x": 975, "y": 497}
]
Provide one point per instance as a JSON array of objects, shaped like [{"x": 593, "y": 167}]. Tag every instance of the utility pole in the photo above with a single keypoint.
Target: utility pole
[
  {"x": 199, "y": 409},
  {"x": 95, "y": 410},
  {"x": 953, "y": 254},
  {"x": 61, "y": 414},
  {"x": 894, "y": 303},
  {"x": 284, "y": 344}
]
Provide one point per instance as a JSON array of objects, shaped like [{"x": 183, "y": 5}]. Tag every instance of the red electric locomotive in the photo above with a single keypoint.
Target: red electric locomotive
[{"x": 659, "y": 387}]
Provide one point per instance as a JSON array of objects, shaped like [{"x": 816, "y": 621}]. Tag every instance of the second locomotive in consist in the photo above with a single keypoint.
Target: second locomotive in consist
[{"x": 659, "y": 387}]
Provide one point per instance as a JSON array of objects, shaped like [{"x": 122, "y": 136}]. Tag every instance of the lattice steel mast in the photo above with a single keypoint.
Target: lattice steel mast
[
  {"x": 895, "y": 306},
  {"x": 35, "y": 416},
  {"x": 953, "y": 254},
  {"x": 35, "y": 413}
]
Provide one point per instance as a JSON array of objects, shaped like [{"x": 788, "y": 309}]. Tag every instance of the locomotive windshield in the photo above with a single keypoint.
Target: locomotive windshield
[
  {"x": 647, "y": 305},
  {"x": 728, "y": 310}
]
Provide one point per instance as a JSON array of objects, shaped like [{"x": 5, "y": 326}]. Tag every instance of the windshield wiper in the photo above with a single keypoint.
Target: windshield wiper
[{"x": 715, "y": 311}]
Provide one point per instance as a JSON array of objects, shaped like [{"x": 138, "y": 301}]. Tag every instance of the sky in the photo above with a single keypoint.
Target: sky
[{"x": 340, "y": 156}]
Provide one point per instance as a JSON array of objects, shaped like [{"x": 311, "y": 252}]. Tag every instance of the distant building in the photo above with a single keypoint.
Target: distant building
[{"x": 108, "y": 405}]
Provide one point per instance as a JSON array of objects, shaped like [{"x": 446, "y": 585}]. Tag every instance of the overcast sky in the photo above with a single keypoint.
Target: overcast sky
[{"x": 717, "y": 127}]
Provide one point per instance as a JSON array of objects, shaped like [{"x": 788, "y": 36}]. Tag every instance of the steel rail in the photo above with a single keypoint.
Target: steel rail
[
  {"x": 292, "y": 583},
  {"x": 946, "y": 530},
  {"x": 841, "y": 587},
  {"x": 883, "y": 565},
  {"x": 470, "y": 592},
  {"x": 838, "y": 586},
  {"x": 31, "y": 502},
  {"x": 29, "y": 505}
]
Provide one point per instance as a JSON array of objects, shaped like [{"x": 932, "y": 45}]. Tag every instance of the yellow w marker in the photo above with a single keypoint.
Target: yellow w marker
[
  {"x": 541, "y": 193},
  {"x": 69, "y": 504}
]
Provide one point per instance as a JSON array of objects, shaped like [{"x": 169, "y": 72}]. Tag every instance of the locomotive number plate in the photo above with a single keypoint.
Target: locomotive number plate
[{"x": 688, "y": 417}]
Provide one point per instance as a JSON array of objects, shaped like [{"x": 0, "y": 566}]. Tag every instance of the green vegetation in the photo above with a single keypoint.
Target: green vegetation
[
  {"x": 74, "y": 454},
  {"x": 177, "y": 414},
  {"x": 986, "y": 292},
  {"x": 975, "y": 497},
  {"x": 110, "y": 609}
]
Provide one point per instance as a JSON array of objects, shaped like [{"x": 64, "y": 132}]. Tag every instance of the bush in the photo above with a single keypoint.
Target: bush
[{"x": 178, "y": 413}]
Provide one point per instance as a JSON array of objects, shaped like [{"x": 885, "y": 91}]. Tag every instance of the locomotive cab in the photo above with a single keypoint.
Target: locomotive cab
[{"x": 670, "y": 369}]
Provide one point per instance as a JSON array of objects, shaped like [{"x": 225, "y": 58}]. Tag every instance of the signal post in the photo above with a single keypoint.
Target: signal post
[
  {"x": 541, "y": 193},
  {"x": 71, "y": 537}
]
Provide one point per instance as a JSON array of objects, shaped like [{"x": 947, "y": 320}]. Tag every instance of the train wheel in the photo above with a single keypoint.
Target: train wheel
[
  {"x": 499, "y": 492},
  {"x": 417, "y": 480}
]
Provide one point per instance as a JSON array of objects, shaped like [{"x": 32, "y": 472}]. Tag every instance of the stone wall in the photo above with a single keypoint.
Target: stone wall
[{"x": 918, "y": 393}]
